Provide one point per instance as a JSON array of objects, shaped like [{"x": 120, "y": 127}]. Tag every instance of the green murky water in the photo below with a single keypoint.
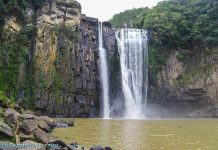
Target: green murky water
[{"x": 182, "y": 134}]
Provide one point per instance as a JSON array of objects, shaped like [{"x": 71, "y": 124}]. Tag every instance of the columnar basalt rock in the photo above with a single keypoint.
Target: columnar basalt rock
[
  {"x": 58, "y": 75},
  {"x": 65, "y": 61}
]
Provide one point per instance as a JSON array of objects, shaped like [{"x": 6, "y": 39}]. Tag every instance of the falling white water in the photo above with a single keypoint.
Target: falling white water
[
  {"x": 132, "y": 46},
  {"x": 104, "y": 75}
]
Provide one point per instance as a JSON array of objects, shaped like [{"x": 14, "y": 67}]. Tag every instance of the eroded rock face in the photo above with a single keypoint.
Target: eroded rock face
[
  {"x": 59, "y": 12},
  {"x": 65, "y": 61},
  {"x": 187, "y": 89}
]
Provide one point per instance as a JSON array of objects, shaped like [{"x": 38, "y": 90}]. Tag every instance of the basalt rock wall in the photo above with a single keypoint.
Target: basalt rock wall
[{"x": 58, "y": 74}]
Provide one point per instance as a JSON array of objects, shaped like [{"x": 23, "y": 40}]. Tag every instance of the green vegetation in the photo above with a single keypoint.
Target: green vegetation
[
  {"x": 132, "y": 18},
  {"x": 5, "y": 102},
  {"x": 15, "y": 45},
  {"x": 6, "y": 138},
  {"x": 16, "y": 8},
  {"x": 14, "y": 49},
  {"x": 190, "y": 27},
  {"x": 3, "y": 98}
]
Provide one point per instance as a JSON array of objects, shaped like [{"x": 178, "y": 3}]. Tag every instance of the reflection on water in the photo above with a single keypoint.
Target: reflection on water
[{"x": 184, "y": 134}]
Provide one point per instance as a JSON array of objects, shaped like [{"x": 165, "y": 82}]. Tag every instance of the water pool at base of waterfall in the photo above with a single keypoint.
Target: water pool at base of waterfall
[{"x": 169, "y": 134}]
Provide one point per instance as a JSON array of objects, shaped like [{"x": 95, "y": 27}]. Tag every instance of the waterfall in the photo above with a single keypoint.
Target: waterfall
[
  {"x": 104, "y": 75},
  {"x": 132, "y": 46}
]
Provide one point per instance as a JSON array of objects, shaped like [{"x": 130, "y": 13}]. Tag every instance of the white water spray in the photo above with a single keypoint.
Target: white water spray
[
  {"x": 132, "y": 46},
  {"x": 104, "y": 75}
]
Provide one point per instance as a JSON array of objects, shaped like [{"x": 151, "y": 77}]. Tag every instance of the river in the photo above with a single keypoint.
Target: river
[{"x": 170, "y": 134}]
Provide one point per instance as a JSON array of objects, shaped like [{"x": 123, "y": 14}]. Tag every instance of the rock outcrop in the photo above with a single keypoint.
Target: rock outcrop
[
  {"x": 188, "y": 89},
  {"x": 32, "y": 132},
  {"x": 59, "y": 76}
]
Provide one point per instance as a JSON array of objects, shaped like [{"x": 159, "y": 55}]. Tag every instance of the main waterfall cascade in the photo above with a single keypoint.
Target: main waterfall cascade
[
  {"x": 132, "y": 46},
  {"x": 104, "y": 75}
]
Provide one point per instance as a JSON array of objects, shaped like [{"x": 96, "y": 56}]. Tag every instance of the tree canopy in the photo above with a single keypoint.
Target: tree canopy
[{"x": 189, "y": 26}]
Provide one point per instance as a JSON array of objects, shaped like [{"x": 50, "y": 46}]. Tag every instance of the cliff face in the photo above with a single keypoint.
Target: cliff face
[
  {"x": 115, "y": 89},
  {"x": 187, "y": 88},
  {"x": 59, "y": 76},
  {"x": 49, "y": 63},
  {"x": 65, "y": 61}
]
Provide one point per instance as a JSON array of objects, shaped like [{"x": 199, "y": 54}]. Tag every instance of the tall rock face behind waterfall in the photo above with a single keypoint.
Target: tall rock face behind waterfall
[
  {"x": 60, "y": 75},
  {"x": 115, "y": 81}
]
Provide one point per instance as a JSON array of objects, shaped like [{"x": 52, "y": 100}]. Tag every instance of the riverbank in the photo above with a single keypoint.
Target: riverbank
[{"x": 21, "y": 129}]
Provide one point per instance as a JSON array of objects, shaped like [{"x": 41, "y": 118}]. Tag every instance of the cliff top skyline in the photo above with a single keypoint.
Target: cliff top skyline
[{"x": 105, "y": 9}]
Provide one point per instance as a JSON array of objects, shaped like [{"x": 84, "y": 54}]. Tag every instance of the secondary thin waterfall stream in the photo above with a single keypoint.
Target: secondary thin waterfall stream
[
  {"x": 132, "y": 46},
  {"x": 104, "y": 75}
]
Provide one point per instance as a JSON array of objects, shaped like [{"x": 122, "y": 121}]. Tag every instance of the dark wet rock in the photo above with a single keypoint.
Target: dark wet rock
[
  {"x": 6, "y": 130},
  {"x": 98, "y": 147},
  {"x": 12, "y": 145},
  {"x": 74, "y": 143},
  {"x": 107, "y": 148},
  {"x": 24, "y": 136},
  {"x": 52, "y": 125},
  {"x": 41, "y": 136},
  {"x": 70, "y": 123}
]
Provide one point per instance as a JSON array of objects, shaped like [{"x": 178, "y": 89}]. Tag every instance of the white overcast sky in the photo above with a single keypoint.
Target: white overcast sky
[{"x": 105, "y": 9}]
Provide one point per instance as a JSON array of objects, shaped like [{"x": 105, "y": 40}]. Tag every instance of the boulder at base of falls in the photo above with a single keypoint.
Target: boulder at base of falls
[
  {"x": 6, "y": 130},
  {"x": 46, "y": 119},
  {"x": 107, "y": 148},
  {"x": 66, "y": 122},
  {"x": 44, "y": 126},
  {"x": 41, "y": 136},
  {"x": 29, "y": 125},
  {"x": 99, "y": 147}
]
